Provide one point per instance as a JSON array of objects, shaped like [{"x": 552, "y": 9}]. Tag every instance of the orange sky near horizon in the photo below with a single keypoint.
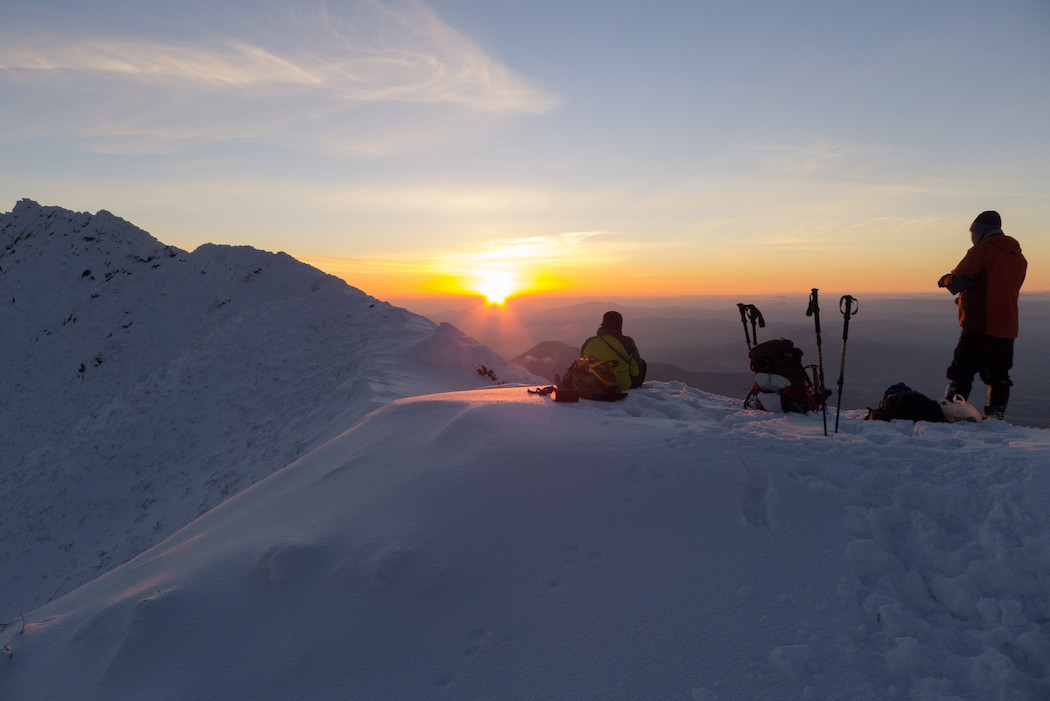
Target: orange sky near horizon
[
  {"x": 865, "y": 273},
  {"x": 863, "y": 256}
]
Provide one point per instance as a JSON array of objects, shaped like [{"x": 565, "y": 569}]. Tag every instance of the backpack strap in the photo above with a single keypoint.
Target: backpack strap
[{"x": 613, "y": 348}]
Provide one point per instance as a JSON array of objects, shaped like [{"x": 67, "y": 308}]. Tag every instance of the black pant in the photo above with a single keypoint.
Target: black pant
[{"x": 991, "y": 357}]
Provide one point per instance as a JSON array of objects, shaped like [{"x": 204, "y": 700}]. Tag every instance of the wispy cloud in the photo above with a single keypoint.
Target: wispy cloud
[
  {"x": 59, "y": 59},
  {"x": 361, "y": 76},
  {"x": 576, "y": 249},
  {"x": 819, "y": 158}
]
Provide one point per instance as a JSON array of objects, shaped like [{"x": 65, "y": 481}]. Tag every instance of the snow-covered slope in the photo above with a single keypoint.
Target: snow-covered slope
[
  {"x": 494, "y": 545},
  {"x": 140, "y": 385}
]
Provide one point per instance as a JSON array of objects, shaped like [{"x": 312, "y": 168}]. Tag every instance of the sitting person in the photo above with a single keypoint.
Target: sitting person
[{"x": 611, "y": 344}]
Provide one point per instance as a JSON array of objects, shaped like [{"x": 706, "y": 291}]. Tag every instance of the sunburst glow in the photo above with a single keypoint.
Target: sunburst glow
[{"x": 496, "y": 285}]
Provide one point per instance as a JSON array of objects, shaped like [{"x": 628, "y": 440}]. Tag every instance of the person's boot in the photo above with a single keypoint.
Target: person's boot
[{"x": 998, "y": 398}]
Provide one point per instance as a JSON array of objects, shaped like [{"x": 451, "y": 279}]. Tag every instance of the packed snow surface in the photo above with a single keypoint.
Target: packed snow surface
[{"x": 492, "y": 544}]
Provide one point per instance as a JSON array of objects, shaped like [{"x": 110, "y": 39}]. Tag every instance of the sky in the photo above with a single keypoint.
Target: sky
[{"x": 583, "y": 148}]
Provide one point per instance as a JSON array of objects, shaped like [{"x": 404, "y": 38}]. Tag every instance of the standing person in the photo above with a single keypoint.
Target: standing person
[
  {"x": 611, "y": 344},
  {"x": 987, "y": 280}
]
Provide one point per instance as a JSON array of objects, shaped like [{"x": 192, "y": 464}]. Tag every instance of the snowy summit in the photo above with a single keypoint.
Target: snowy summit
[
  {"x": 479, "y": 543},
  {"x": 142, "y": 384}
]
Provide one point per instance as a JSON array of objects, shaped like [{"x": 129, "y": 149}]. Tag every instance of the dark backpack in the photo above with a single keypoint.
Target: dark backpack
[
  {"x": 902, "y": 402},
  {"x": 593, "y": 379},
  {"x": 781, "y": 357}
]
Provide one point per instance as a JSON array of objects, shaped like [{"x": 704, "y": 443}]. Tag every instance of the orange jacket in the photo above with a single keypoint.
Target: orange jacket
[{"x": 996, "y": 268}]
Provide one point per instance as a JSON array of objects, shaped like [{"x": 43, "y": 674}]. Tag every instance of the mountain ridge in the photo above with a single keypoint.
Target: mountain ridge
[{"x": 231, "y": 361}]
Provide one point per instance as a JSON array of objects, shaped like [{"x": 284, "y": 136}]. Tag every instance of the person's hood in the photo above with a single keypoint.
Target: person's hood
[{"x": 1004, "y": 243}]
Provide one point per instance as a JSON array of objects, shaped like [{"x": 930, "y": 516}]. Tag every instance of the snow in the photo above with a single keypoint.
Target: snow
[
  {"x": 493, "y": 544},
  {"x": 489, "y": 543},
  {"x": 143, "y": 393}
]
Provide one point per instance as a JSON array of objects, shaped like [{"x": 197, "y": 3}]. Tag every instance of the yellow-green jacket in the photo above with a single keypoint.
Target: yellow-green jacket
[{"x": 609, "y": 345}]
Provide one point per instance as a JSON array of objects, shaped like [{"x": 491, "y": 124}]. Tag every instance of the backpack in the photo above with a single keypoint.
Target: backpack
[
  {"x": 781, "y": 358},
  {"x": 593, "y": 379},
  {"x": 610, "y": 346},
  {"x": 902, "y": 402}
]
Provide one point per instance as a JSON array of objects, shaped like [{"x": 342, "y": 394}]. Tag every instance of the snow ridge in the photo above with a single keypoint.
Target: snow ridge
[{"x": 143, "y": 384}]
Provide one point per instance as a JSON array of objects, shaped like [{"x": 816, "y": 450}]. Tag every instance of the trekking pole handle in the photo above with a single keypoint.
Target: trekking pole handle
[
  {"x": 849, "y": 306},
  {"x": 743, "y": 320},
  {"x": 756, "y": 316},
  {"x": 814, "y": 308}
]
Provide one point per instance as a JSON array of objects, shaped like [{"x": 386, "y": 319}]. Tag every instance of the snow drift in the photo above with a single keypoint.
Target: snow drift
[{"x": 494, "y": 545}]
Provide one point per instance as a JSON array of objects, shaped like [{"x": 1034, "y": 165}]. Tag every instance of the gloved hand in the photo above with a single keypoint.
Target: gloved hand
[{"x": 955, "y": 283}]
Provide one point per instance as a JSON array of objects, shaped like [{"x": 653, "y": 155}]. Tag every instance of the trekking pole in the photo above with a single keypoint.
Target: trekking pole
[
  {"x": 756, "y": 318},
  {"x": 848, "y": 306},
  {"x": 743, "y": 320},
  {"x": 750, "y": 313},
  {"x": 814, "y": 311}
]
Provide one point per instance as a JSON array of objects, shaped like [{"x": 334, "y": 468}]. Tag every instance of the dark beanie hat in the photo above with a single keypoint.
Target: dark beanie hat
[
  {"x": 988, "y": 219},
  {"x": 613, "y": 320}
]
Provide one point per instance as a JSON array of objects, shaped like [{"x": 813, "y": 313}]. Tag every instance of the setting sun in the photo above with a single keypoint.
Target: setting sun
[{"x": 496, "y": 285}]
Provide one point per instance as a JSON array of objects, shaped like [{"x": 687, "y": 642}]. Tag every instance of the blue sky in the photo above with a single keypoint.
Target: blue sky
[{"x": 664, "y": 148}]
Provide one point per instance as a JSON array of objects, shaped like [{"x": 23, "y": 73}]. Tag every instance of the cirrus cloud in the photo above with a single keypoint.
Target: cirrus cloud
[{"x": 358, "y": 77}]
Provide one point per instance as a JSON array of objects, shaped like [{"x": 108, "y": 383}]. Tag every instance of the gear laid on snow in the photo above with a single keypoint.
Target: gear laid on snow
[
  {"x": 781, "y": 381},
  {"x": 560, "y": 395},
  {"x": 902, "y": 402}
]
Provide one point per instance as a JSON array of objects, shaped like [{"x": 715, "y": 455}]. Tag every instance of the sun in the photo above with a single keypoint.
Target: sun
[{"x": 496, "y": 285}]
